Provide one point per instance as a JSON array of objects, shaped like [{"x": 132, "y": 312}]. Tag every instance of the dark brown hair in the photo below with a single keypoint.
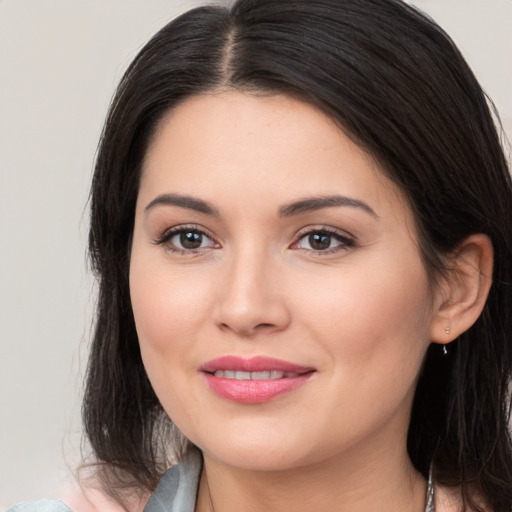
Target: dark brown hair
[{"x": 400, "y": 88}]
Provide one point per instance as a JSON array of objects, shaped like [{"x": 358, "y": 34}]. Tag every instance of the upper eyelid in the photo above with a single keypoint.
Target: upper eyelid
[
  {"x": 327, "y": 229},
  {"x": 184, "y": 227},
  {"x": 167, "y": 233},
  {"x": 346, "y": 239}
]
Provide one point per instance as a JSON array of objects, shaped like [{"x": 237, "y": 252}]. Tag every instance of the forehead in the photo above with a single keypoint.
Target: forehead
[
  {"x": 241, "y": 147},
  {"x": 220, "y": 124}
]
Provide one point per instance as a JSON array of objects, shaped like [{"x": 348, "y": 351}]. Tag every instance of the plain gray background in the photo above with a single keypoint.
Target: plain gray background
[{"x": 59, "y": 63}]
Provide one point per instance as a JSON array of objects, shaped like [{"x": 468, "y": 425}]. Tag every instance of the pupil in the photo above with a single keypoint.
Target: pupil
[
  {"x": 191, "y": 240},
  {"x": 319, "y": 241}
]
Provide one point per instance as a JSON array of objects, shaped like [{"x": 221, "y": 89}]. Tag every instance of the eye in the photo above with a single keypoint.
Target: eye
[
  {"x": 323, "y": 241},
  {"x": 185, "y": 240}
]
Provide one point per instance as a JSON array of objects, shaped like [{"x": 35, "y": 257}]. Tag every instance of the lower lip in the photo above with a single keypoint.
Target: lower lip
[{"x": 254, "y": 391}]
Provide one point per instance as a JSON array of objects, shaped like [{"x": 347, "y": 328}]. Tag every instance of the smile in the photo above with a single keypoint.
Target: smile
[
  {"x": 253, "y": 381},
  {"x": 265, "y": 375}
]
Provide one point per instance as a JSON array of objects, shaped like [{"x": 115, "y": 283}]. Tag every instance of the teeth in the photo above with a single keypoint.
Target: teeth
[
  {"x": 241, "y": 375},
  {"x": 260, "y": 375}
]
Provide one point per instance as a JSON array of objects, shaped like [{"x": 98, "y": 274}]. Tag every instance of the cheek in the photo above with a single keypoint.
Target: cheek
[
  {"x": 373, "y": 327},
  {"x": 371, "y": 317},
  {"x": 168, "y": 307},
  {"x": 168, "y": 310}
]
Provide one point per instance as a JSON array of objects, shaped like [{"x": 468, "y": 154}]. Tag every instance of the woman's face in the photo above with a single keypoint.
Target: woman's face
[{"x": 281, "y": 303}]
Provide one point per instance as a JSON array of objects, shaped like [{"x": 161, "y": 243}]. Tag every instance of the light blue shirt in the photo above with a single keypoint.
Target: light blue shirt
[{"x": 45, "y": 505}]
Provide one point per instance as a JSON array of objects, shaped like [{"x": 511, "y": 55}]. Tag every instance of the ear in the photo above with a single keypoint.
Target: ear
[{"x": 463, "y": 291}]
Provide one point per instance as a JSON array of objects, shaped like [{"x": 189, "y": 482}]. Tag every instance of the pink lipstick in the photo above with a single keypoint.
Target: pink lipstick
[{"x": 255, "y": 380}]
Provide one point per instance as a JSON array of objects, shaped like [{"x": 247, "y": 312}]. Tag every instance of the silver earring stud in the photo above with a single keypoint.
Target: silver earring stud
[
  {"x": 447, "y": 330},
  {"x": 444, "y": 350}
]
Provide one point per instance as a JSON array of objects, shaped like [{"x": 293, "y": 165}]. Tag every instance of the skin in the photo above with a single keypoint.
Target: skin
[{"x": 361, "y": 312}]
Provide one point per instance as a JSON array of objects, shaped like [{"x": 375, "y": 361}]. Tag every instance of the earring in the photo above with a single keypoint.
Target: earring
[
  {"x": 447, "y": 330},
  {"x": 444, "y": 350}
]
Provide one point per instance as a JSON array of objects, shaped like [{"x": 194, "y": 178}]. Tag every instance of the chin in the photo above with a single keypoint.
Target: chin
[
  {"x": 261, "y": 460},
  {"x": 260, "y": 452}
]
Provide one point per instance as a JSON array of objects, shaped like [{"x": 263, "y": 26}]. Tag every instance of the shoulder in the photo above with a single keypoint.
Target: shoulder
[
  {"x": 45, "y": 505},
  {"x": 90, "y": 497},
  {"x": 81, "y": 499}
]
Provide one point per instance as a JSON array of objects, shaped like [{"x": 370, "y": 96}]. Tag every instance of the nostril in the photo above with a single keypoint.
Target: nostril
[
  {"x": 247, "y": 316},
  {"x": 247, "y": 330},
  {"x": 224, "y": 327}
]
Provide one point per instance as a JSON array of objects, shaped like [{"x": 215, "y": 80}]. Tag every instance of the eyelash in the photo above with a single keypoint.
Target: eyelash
[
  {"x": 345, "y": 241},
  {"x": 166, "y": 237}
]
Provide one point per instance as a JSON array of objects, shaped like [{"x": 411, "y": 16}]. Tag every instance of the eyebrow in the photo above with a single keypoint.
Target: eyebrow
[
  {"x": 288, "y": 210},
  {"x": 317, "y": 203},
  {"x": 183, "y": 201}
]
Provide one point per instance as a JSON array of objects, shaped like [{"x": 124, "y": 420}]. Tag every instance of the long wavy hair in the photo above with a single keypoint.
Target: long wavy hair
[{"x": 401, "y": 90}]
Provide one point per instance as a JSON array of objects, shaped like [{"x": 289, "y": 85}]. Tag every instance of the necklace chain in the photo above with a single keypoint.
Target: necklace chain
[{"x": 431, "y": 505}]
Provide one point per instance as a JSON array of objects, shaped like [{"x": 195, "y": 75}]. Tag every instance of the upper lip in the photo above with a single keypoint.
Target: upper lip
[{"x": 253, "y": 364}]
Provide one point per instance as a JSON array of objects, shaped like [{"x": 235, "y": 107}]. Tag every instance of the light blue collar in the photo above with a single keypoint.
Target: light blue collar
[{"x": 177, "y": 489}]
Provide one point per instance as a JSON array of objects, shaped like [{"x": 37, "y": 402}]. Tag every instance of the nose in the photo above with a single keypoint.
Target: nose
[{"x": 251, "y": 298}]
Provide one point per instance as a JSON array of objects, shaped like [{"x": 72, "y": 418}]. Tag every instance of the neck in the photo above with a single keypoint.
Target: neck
[{"x": 377, "y": 481}]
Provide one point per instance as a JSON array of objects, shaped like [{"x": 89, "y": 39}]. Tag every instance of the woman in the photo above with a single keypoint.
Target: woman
[{"x": 301, "y": 225}]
